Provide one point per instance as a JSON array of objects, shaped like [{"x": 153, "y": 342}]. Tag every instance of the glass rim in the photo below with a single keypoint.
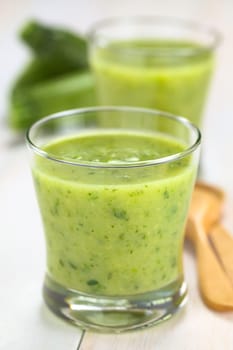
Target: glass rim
[
  {"x": 91, "y": 164},
  {"x": 161, "y": 20}
]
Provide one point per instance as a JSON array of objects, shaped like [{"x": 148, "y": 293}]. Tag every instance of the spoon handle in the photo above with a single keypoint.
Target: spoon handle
[
  {"x": 216, "y": 288},
  {"x": 223, "y": 245}
]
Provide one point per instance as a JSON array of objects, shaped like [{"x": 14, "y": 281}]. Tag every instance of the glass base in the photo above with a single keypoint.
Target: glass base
[{"x": 114, "y": 314}]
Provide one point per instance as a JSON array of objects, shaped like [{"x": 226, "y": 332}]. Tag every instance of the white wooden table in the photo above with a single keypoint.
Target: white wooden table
[{"x": 25, "y": 323}]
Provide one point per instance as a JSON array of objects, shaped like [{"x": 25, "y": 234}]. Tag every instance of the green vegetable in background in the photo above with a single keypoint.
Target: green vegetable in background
[
  {"x": 56, "y": 43},
  {"x": 70, "y": 91},
  {"x": 56, "y": 78}
]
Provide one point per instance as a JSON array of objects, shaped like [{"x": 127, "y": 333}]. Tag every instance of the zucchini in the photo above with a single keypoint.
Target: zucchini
[{"x": 30, "y": 104}]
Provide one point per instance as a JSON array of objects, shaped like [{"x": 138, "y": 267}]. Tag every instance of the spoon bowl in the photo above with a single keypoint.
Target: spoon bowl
[{"x": 205, "y": 211}]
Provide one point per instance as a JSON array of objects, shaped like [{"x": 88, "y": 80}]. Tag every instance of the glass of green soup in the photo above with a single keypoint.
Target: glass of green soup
[
  {"x": 113, "y": 186},
  {"x": 153, "y": 62}
]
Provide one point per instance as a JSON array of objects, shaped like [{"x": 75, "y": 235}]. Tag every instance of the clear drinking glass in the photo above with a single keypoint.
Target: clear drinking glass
[
  {"x": 153, "y": 62},
  {"x": 113, "y": 186}
]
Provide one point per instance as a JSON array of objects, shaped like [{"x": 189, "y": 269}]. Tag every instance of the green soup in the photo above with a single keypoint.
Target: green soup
[
  {"x": 119, "y": 230},
  {"x": 165, "y": 75}
]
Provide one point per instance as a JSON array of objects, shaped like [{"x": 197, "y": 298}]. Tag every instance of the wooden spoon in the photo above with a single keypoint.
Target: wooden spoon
[
  {"x": 220, "y": 238},
  {"x": 216, "y": 288},
  {"x": 222, "y": 242}
]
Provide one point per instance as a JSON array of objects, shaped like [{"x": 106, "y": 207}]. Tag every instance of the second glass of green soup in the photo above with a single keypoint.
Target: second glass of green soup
[{"x": 153, "y": 62}]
